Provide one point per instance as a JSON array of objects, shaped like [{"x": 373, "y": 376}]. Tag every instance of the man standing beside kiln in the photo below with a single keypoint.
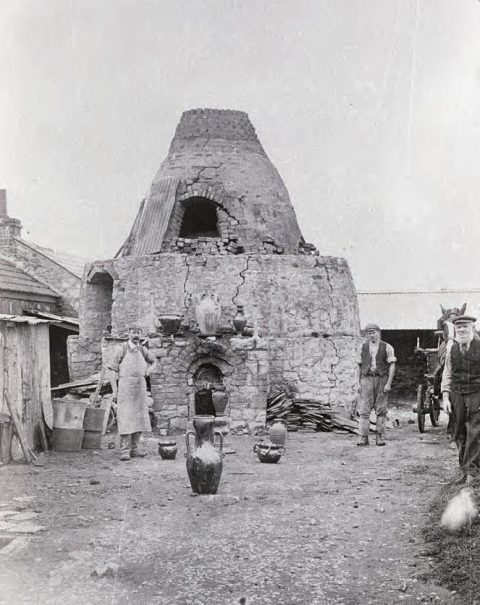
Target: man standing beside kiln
[
  {"x": 461, "y": 394},
  {"x": 376, "y": 361},
  {"x": 129, "y": 367}
]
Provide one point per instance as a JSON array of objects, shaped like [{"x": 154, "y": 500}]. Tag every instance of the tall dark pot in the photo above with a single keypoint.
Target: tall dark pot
[
  {"x": 204, "y": 461},
  {"x": 219, "y": 400}
]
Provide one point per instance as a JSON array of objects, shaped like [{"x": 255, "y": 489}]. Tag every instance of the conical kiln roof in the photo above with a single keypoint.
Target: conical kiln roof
[{"x": 218, "y": 186}]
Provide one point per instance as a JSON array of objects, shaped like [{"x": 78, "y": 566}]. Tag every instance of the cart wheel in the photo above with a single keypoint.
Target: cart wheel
[
  {"x": 435, "y": 412},
  {"x": 421, "y": 392}
]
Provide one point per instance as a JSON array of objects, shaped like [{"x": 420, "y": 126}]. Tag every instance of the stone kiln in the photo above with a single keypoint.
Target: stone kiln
[{"x": 218, "y": 219}]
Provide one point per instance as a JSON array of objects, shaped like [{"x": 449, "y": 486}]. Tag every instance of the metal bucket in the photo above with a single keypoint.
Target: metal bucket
[
  {"x": 67, "y": 440},
  {"x": 68, "y": 413},
  {"x": 93, "y": 419}
]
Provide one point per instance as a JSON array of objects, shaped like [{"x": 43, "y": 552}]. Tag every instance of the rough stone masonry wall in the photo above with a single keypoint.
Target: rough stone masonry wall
[
  {"x": 289, "y": 295},
  {"x": 318, "y": 368},
  {"x": 304, "y": 307},
  {"x": 243, "y": 362},
  {"x": 217, "y": 155},
  {"x": 49, "y": 272}
]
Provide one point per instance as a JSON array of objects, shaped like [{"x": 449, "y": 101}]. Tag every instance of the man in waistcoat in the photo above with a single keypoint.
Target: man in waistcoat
[
  {"x": 376, "y": 362},
  {"x": 129, "y": 367},
  {"x": 461, "y": 394}
]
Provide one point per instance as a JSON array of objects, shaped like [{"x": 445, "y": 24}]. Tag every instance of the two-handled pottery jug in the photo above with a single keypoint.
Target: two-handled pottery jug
[{"x": 204, "y": 460}]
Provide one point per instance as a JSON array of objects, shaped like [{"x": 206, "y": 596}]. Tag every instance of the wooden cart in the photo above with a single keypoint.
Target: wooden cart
[{"x": 428, "y": 390}]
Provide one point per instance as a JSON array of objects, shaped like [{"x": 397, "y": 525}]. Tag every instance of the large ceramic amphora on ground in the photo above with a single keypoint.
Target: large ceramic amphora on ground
[
  {"x": 204, "y": 460},
  {"x": 208, "y": 313}
]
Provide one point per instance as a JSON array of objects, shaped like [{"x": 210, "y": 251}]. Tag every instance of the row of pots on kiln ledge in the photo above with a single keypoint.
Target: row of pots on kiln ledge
[{"x": 208, "y": 313}]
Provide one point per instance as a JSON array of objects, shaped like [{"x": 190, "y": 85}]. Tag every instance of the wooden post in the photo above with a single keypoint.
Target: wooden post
[{"x": 6, "y": 436}]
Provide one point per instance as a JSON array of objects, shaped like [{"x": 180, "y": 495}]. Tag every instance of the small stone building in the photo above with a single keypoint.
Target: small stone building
[
  {"x": 57, "y": 275},
  {"x": 41, "y": 282},
  {"x": 218, "y": 219}
]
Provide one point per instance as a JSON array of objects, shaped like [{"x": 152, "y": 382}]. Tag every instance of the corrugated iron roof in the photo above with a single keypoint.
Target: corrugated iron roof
[
  {"x": 23, "y": 319},
  {"x": 44, "y": 315},
  {"x": 14, "y": 279},
  {"x": 151, "y": 222},
  {"x": 414, "y": 310},
  {"x": 73, "y": 321},
  {"x": 73, "y": 264}
]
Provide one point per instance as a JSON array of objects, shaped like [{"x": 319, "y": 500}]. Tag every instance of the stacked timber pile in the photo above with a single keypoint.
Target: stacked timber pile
[{"x": 306, "y": 414}]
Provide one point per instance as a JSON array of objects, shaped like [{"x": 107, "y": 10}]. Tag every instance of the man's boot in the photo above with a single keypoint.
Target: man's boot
[
  {"x": 362, "y": 441},
  {"x": 136, "y": 451},
  {"x": 125, "y": 447},
  {"x": 381, "y": 422}
]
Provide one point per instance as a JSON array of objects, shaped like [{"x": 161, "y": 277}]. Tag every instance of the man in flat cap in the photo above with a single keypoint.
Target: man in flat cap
[
  {"x": 376, "y": 362},
  {"x": 129, "y": 367},
  {"x": 461, "y": 394}
]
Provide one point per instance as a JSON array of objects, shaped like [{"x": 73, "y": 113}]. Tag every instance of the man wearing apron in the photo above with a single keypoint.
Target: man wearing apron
[{"x": 129, "y": 366}]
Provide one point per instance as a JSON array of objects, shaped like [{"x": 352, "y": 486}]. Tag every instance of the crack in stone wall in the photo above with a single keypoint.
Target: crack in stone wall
[
  {"x": 333, "y": 366},
  {"x": 332, "y": 306},
  {"x": 186, "y": 295},
  {"x": 196, "y": 179},
  {"x": 239, "y": 286}
]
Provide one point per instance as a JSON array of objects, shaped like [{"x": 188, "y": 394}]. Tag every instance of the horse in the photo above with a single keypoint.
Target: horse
[{"x": 444, "y": 322}]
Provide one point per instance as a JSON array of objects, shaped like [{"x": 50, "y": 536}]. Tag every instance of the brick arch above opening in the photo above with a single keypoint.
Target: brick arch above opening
[
  {"x": 213, "y": 195},
  {"x": 98, "y": 275},
  {"x": 199, "y": 218},
  {"x": 222, "y": 365}
]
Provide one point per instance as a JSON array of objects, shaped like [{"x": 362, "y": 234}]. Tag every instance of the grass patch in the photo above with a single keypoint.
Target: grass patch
[{"x": 455, "y": 554}]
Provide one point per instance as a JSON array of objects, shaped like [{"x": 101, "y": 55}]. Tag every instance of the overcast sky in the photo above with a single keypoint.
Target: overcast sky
[{"x": 370, "y": 110}]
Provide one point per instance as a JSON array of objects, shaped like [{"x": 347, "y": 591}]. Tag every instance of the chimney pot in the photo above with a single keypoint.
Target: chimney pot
[{"x": 3, "y": 202}]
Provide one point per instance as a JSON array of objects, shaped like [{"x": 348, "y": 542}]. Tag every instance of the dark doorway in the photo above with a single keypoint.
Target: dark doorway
[
  {"x": 58, "y": 355},
  {"x": 203, "y": 403},
  {"x": 207, "y": 378},
  {"x": 408, "y": 372},
  {"x": 199, "y": 219}
]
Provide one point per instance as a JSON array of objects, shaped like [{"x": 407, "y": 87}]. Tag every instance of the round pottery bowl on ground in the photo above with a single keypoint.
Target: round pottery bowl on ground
[
  {"x": 167, "y": 448},
  {"x": 268, "y": 452}
]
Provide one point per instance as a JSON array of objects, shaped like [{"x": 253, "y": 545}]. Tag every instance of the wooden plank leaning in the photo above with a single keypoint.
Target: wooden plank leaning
[{"x": 27, "y": 452}]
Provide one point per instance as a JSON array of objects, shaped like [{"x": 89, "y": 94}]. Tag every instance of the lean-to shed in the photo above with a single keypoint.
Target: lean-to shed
[{"x": 24, "y": 380}]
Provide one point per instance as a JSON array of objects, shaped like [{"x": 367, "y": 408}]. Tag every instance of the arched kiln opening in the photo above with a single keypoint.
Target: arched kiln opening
[
  {"x": 99, "y": 296},
  {"x": 206, "y": 379},
  {"x": 199, "y": 219}
]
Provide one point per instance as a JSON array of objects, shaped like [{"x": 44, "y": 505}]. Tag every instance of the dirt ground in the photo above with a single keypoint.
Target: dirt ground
[{"x": 331, "y": 523}]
